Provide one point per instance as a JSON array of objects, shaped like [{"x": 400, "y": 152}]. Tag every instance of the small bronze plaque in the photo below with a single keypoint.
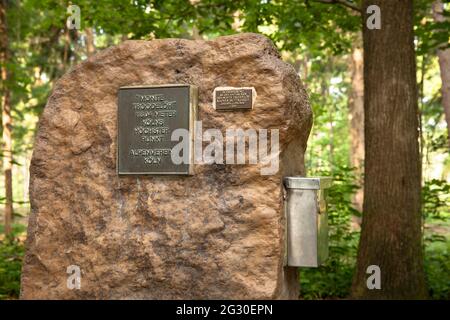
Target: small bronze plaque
[
  {"x": 233, "y": 99},
  {"x": 147, "y": 116}
]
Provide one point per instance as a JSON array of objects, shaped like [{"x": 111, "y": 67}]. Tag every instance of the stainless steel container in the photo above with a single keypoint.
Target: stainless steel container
[{"x": 306, "y": 221}]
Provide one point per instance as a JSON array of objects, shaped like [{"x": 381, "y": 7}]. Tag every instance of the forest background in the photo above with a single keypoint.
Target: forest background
[{"x": 322, "y": 39}]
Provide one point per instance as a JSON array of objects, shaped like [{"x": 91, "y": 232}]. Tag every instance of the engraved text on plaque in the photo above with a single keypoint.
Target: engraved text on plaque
[{"x": 147, "y": 116}]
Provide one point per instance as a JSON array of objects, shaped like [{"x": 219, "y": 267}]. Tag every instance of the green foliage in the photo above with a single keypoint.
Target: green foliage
[
  {"x": 321, "y": 28},
  {"x": 430, "y": 33},
  {"x": 11, "y": 255},
  {"x": 328, "y": 155},
  {"x": 436, "y": 200},
  {"x": 436, "y": 214},
  {"x": 333, "y": 280},
  {"x": 437, "y": 267}
]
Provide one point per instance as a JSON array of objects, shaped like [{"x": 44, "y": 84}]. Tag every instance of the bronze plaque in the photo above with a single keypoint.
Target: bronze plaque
[
  {"x": 233, "y": 99},
  {"x": 147, "y": 116}
]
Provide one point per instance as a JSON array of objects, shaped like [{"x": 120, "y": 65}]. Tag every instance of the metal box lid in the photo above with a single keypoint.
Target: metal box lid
[{"x": 313, "y": 183}]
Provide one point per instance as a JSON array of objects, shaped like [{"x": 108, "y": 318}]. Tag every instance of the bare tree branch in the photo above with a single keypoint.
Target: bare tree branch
[{"x": 342, "y": 2}]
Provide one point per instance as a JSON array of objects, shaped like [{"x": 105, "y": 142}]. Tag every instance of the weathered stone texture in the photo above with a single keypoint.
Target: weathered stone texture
[{"x": 217, "y": 234}]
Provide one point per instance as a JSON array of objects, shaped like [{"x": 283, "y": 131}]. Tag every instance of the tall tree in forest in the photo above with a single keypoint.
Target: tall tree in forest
[
  {"x": 6, "y": 116},
  {"x": 89, "y": 41},
  {"x": 444, "y": 63},
  {"x": 391, "y": 228},
  {"x": 356, "y": 115}
]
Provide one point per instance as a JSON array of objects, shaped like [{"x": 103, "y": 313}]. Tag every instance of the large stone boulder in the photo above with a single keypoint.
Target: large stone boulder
[{"x": 218, "y": 234}]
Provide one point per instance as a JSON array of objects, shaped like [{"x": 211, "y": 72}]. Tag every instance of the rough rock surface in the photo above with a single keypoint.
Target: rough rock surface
[{"x": 215, "y": 235}]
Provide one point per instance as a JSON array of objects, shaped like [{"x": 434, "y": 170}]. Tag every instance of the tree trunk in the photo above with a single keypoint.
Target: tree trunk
[
  {"x": 90, "y": 45},
  {"x": 64, "y": 63},
  {"x": 444, "y": 63},
  {"x": 356, "y": 113},
  {"x": 6, "y": 118},
  {"x": 391, "y": 228}
]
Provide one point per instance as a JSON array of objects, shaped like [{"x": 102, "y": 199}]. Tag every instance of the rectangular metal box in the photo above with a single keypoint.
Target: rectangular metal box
[
  {"x": 306, "y": 221},
  {"x": 147, "y": 116}
]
